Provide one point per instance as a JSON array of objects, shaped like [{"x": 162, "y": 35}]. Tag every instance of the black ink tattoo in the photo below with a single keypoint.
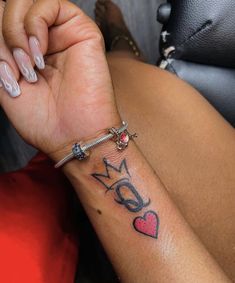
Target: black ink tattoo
[
  {"x": 134, "y": 205},
  {"x": 111, "y": 181},
  {"x": 106, "y": 179},
  {"x": 117, "y": 179}
]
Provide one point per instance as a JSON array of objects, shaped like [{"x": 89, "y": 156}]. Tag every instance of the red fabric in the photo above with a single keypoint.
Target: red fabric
[{"x": 37, "y": 244}]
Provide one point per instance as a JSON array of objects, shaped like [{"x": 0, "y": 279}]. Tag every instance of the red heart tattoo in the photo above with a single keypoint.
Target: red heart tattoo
[{"x": 148, "y": 224}]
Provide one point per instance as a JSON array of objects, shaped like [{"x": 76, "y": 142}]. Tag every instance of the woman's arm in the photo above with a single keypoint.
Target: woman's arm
[
  {"x": 71, "y": 98},
  {"x": 142, "y": 231}
]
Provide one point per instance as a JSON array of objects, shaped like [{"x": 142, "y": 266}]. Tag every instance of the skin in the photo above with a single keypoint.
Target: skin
[
  {"x": 186, "y": 141},
  {"x": 56, "y": 92},
  {"x": 193, "y": 152},
  {"x": 96, "y": 105}
]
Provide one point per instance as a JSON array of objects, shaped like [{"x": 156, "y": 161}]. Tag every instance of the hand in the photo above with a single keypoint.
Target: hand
[{"x": 73, "y": 96}]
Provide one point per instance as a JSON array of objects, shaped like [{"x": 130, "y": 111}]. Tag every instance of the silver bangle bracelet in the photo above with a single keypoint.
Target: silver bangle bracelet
[{"x": 80, "y": 151}]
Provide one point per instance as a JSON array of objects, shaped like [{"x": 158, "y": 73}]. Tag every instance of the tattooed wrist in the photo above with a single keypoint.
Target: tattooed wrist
[{"x": 117, "y": 179}]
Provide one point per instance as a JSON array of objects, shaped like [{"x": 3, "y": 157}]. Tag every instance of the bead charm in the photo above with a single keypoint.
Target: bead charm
[{"x": 81, "y": 151}]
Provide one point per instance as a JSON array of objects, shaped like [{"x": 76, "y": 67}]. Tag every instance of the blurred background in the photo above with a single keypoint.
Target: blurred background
[{"x": 140, "y": 16}]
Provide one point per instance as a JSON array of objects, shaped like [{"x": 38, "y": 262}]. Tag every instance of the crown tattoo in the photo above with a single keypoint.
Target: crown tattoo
[{"x": 113, "y": 175}]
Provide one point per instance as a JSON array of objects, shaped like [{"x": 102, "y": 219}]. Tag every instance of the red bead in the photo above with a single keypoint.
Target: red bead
[{"x": 124, "y": 138}]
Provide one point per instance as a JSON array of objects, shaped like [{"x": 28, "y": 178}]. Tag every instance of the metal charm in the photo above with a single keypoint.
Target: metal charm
[
  {"x": 122, "y": 139},
  {"x": 79, "y": 153},
  {"x": 80, "y": 150}
]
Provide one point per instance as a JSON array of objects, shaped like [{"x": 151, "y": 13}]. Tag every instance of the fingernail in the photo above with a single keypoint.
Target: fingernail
[
  {"x": 36, "y": 52},
  {"x": 24, "y": 64},
  {"x": 8, "y": 80}
]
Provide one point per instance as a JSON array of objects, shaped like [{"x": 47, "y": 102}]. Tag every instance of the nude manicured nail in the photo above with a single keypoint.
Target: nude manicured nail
[
  {"x": 36, "y": 52},
  {"x": 8, "y": 80},
  {"x": 25, "y": 66}
]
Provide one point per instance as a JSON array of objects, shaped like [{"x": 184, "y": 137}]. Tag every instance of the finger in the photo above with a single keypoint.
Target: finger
[
  {"x": 66, "y": 22},
  {"x": 9, "y": 73},
  {"x": 16, "y": 37}
]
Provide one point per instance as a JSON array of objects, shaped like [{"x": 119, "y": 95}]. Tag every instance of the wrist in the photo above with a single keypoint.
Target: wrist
[
  {"x": 107, "y": 150},
  {"x": 97, "y": 132},
  {"x": 80, "y": 151},
  {"x": 79, "y": 171}
]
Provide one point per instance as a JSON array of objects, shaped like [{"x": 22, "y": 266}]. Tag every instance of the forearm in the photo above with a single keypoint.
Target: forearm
[{"x": 140, "y": 228}]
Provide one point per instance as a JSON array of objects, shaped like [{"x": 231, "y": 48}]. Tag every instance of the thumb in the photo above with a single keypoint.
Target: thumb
[{"x": 68, "y": 25}]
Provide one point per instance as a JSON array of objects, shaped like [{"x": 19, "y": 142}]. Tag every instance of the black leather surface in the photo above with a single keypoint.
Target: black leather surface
[
  {"x": 203, "y": 31},
  {"x": 203, "y": 78},
  {"x": 203, "y": 35}
]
